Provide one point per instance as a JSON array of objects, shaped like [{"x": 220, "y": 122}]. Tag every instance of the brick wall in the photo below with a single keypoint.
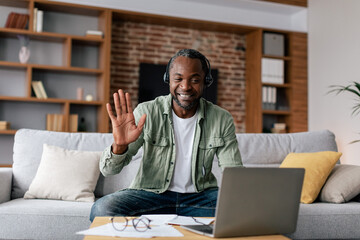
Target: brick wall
[{"x": 133, "y": 43}]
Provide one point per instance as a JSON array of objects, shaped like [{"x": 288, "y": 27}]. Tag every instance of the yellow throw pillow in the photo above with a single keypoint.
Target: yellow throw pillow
[{"x": 318, "y": 166}]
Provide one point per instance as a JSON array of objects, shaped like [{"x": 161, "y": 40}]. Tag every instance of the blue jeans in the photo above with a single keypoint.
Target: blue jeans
[{"x": 131, "y": 202}]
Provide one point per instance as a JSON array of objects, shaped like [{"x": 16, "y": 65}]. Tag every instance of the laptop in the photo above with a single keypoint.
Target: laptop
[{"x": 255, "y": 201}]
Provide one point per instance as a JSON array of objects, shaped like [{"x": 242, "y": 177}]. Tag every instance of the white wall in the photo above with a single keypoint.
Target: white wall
[
  {"x": 334, "y": 59},
  {"x": 243, "y": 12}
]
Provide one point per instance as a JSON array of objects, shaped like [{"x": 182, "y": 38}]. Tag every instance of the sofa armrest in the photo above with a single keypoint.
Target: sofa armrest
[{"x": 5, "y": 184}]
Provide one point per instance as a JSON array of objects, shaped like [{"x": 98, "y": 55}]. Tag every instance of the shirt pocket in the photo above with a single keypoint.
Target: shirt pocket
[
  {"x": 208, "y": 148},
  {"x": 156, "y": 148}
]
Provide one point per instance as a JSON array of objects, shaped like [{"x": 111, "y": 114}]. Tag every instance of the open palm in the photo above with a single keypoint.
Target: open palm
[{"x": 124, "y": 127}]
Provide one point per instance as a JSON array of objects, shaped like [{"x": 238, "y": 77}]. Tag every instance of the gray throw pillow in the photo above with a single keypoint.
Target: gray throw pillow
[{"x": 342, "y": 185}]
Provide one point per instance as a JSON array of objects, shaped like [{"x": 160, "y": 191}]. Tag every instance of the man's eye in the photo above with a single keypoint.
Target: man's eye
[
  {"x": 177, "y": 79},
  {"x": 195, "y": 80}
]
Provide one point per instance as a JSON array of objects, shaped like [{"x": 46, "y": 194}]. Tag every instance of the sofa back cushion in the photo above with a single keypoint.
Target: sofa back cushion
[
  {"x": 258, "y": 150},
  {"x": 28, "y": 147}
]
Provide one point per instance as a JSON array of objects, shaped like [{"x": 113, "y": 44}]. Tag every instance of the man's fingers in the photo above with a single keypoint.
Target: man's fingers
[
  {"x": 128, "y": 102},
  {"x": 117, "y": 104},
  {"x": 122, "y": 101},
  {"x": 110, "y": 111}
]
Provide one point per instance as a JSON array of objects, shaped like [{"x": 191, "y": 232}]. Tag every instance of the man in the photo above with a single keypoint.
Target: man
[{"x": 180, "y": 134}]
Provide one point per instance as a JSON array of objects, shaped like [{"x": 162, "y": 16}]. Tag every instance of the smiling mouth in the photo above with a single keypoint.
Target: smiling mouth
[{"x": 185, "y": 96}]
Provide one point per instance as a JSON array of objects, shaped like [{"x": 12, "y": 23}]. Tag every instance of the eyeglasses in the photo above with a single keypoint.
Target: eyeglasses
[{"x": 141, "y": 224}]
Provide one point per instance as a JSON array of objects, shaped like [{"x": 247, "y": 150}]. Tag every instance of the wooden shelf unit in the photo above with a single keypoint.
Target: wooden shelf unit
[
  {"x": 63, "y": 58},
  {"x": 294, "y": 88},
  {"x": 55, "y": 12}
]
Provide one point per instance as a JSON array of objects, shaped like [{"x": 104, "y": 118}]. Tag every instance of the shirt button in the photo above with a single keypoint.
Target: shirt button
[
  {"x": 167, "y": 180},
  {"x": 210, "y": 145},
  {"x": 154, "y": 142},
  {"x": 171, "y": 163}
]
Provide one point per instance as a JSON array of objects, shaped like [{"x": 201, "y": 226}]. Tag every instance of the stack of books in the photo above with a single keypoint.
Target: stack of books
[
  {"x": 272, "y": 71},
  {"x": 38, "y": 20},
  {"x": 4, "y": 125},
  {"x": 269, "y": 98},
  {"x": 56, "y": 122},
  {"x": 279, "y": 128},
  {"x": 17, "y": 20}
]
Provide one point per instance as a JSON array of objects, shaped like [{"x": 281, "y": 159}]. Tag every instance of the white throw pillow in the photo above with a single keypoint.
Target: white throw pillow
[{"x": 65, "y": 175}]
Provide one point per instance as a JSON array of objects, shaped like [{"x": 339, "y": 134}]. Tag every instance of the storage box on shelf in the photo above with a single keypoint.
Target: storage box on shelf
[{"x": 63, "y": 58}]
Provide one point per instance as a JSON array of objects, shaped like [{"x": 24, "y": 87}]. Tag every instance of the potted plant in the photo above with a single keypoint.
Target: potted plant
[{"x": 353, "y": 88}]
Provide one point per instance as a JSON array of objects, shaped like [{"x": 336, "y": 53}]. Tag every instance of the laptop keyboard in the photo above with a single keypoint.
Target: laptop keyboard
[{"x": 203, "y": 228}]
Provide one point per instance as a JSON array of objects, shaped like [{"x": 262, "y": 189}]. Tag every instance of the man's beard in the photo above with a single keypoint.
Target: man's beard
[{"x": 188, "y": 107}]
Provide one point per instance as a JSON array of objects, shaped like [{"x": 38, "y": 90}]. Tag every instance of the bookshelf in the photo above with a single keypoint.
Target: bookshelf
[
  {"x": 291, "y": 95},
  {"x": 63, "y": 58}
]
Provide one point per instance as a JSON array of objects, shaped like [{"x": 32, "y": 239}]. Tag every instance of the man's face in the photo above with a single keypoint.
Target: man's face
[{"x": 186, "y": 83}]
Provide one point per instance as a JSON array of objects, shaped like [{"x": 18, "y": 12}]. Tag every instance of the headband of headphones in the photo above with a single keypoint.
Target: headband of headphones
[{"x": 208, "y": 78}]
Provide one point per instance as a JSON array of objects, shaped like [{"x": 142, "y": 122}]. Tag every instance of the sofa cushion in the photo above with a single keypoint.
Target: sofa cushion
[
  {"x": 271, "y": 149},
  {"x": 342, "y": 185},
  {"x": 28, "y": 147},
  {"x": 66, "y": 175},
  {"x": 328, "y": 221},
  {"x": 317, "y": 167},
  {"x": 43, "y": 219}
]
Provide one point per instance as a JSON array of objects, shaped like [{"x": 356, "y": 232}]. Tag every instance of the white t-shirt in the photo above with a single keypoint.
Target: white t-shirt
[{"x": 184, "y": 130}]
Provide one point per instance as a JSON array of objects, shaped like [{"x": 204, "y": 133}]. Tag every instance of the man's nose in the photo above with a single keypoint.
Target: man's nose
[{"x": 185, "y": 84}]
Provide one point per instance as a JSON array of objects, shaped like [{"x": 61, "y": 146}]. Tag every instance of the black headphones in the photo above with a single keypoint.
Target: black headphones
[{"x": 208, "y": 78}]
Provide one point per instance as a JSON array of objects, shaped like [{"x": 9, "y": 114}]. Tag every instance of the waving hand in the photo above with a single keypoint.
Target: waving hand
[{"x": 124, "y": 127}]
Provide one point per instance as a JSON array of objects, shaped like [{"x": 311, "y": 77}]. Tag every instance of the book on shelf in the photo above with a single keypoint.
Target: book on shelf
[
  {"x": 17, "y": 20},
  {"x": 4, "y": 125},
  {"x": 269, "y": 97},
  {"x": 73, "y": 122},
  {"x": 56, "y": 122},
  {"x": 38, "y": 20},
  {"x": 39, "y": 89},
  {"x": 272, "y": 70},
  {"x": 94, "y": 33}
]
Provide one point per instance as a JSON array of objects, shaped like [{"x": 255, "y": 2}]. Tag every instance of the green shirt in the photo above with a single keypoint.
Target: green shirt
[{"x": 214, "y": 134}]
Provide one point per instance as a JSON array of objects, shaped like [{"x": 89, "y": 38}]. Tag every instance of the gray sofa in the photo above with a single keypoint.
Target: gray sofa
[{"x": 55, "y": 219}]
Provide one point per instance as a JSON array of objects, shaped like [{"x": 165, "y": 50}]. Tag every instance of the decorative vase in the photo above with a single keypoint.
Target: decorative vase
[{"x": 24, "y": 54}]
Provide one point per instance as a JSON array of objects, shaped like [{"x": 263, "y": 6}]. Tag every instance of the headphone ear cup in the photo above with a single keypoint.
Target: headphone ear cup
[
  {"x": 208, "y": 80},
  {"x": 166, "y": 79}
]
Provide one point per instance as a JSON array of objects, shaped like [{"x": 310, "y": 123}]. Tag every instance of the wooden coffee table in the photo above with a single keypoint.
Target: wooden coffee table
[{"x": 98, "y": 221}]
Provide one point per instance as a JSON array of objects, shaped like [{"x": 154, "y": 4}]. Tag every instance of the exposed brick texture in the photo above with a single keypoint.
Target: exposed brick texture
[{"x": 133, "y": 43}]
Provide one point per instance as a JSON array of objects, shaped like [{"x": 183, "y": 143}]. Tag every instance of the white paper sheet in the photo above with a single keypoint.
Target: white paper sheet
[{"x": 155, "y": 231}]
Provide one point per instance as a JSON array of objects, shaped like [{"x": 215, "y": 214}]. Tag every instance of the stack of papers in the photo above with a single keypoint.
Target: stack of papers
[{"x": 161, "y": 226}]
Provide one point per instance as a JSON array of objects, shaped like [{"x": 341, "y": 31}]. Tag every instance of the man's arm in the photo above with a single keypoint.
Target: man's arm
[{"x": 229, "y": 154}]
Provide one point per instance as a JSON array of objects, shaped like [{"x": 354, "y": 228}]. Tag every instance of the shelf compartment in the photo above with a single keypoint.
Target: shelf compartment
[
  {"x": 17, "y": 78},
  {"x": 84, "y": 55},
  {"x": 58, "y": 17},
  {"x": 34, "y": 112},
  {"x": 88, "y": 113},
  {"x": 269, "y": 119},
  {"x": 63, "y": 85},
  {"x": 8, "y": 6}
]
